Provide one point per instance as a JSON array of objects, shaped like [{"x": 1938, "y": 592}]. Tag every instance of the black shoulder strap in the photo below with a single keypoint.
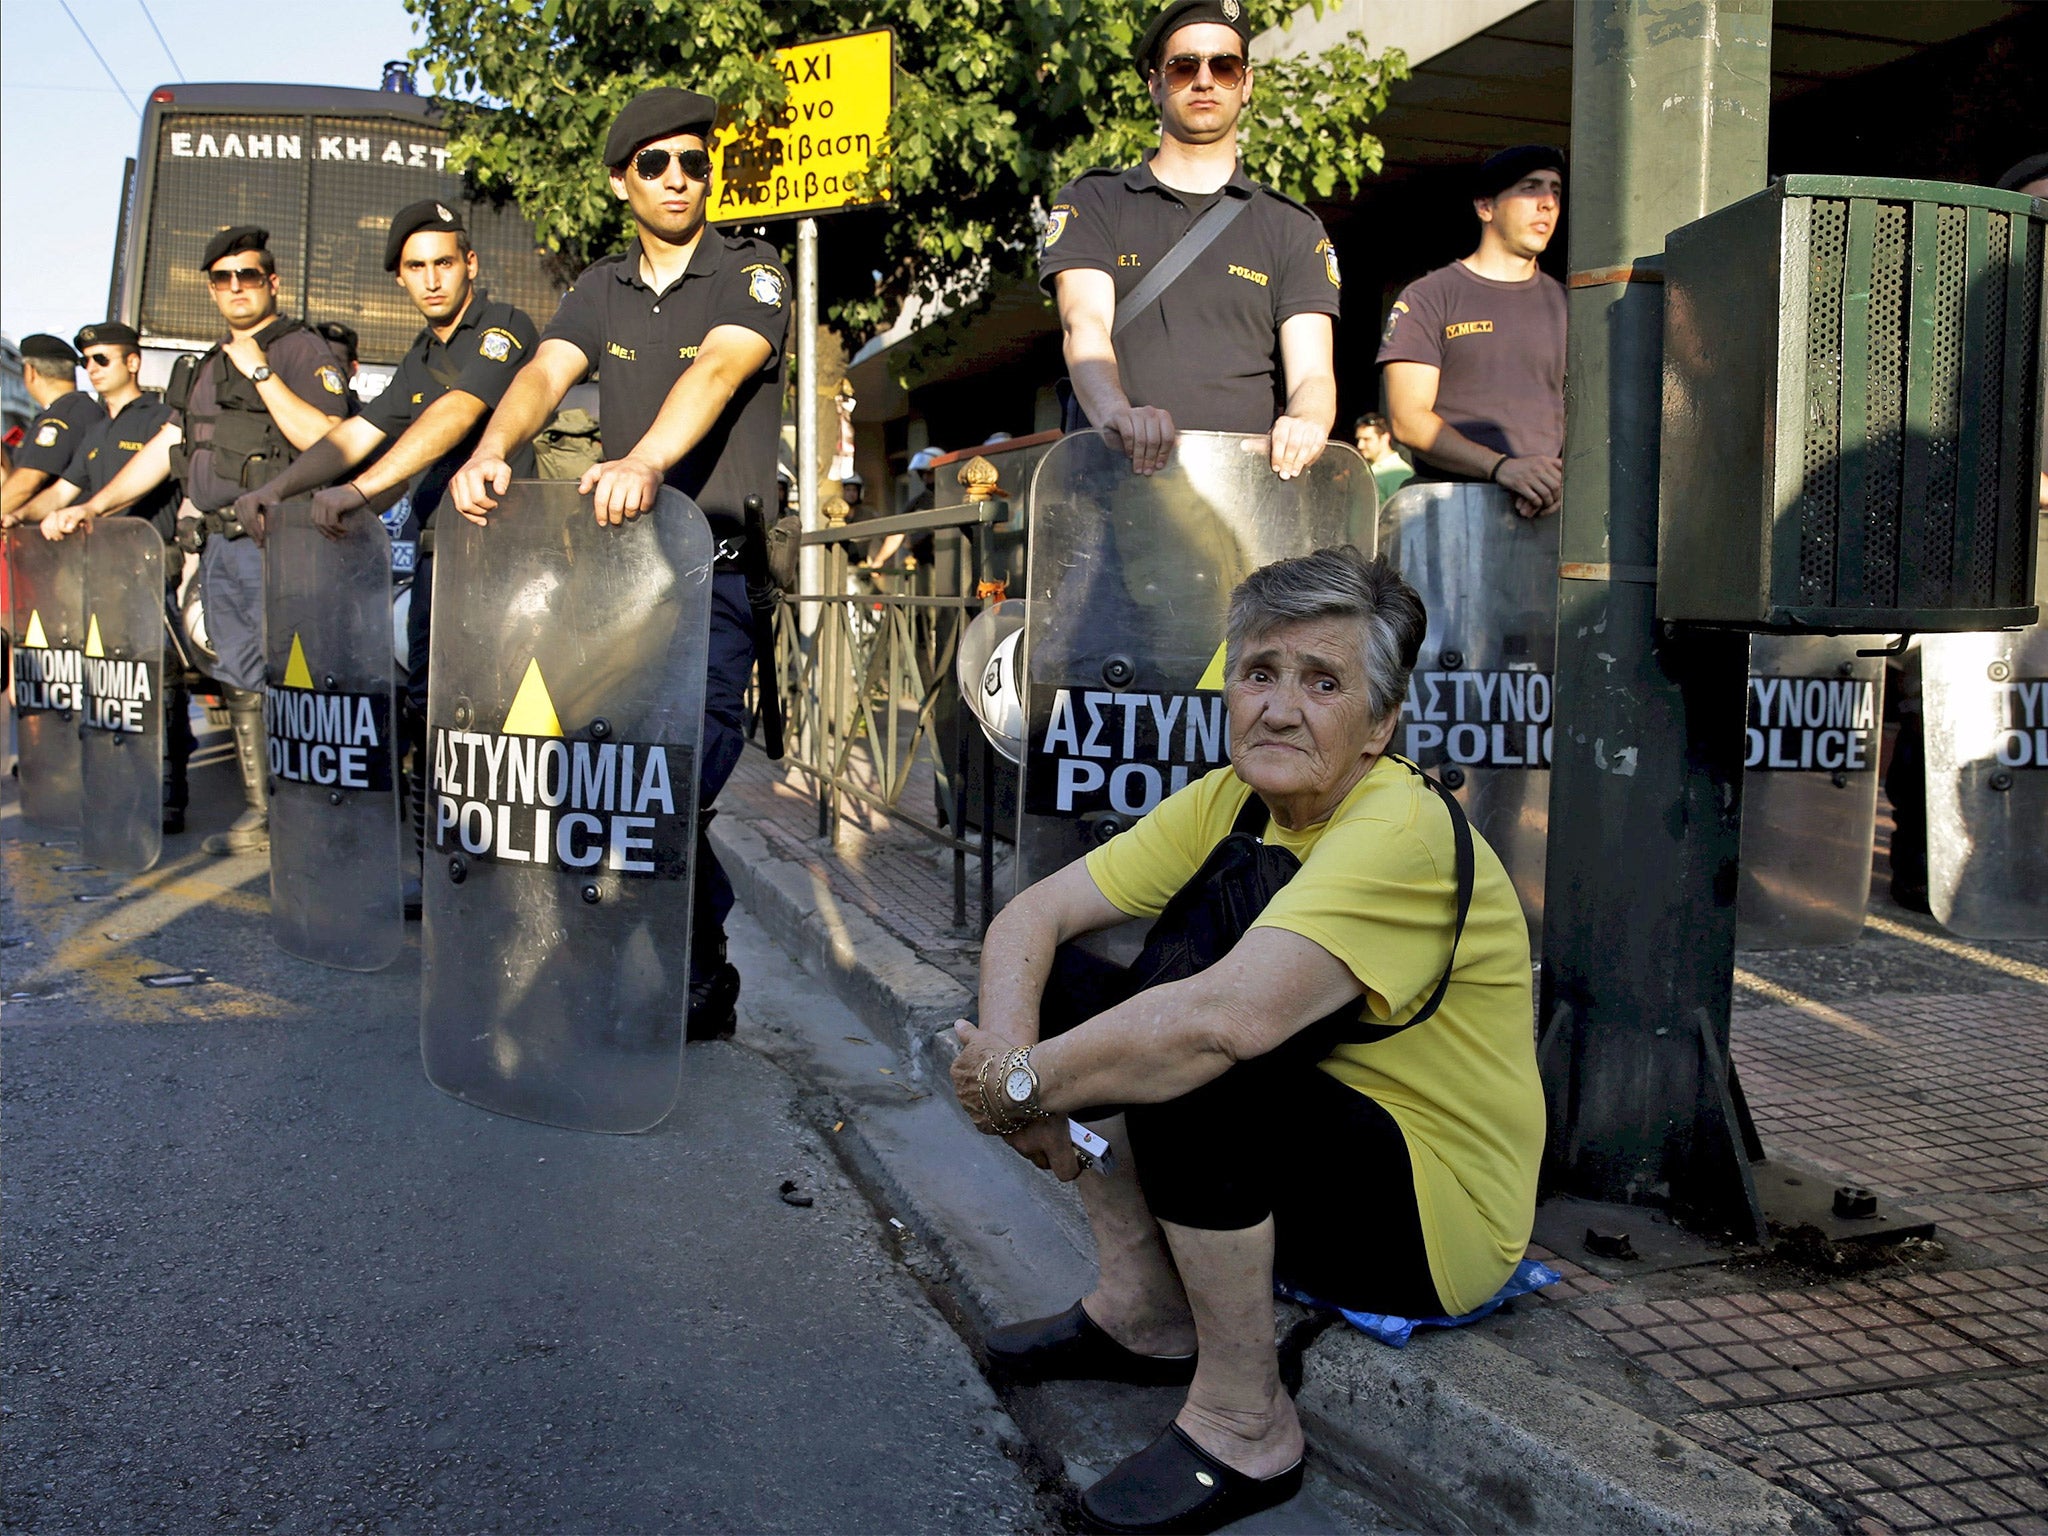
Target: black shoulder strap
[
  {"x": 1216, "y": 218},
  {"x": 1251, "y": 821},
  {"x": 1461, "y": 837}
]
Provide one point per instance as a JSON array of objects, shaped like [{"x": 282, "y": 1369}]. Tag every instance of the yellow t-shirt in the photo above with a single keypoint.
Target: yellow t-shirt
[{"x": 1378, "y": 889}]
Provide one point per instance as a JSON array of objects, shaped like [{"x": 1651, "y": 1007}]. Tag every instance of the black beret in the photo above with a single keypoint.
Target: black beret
[
  {"x": 655, "y": 115},
  {"x": 241, "y": 237},
  {"x": 45, "y": 348},
  {"x": 342, "y": 336},
  {"x": 109, "y": 333},
  {"x": 410, "y": 220},
  {"x": 1191, "y": 13},
  {"x": 1499, "y": 172},
  {"x": 2033, "y": 168}
]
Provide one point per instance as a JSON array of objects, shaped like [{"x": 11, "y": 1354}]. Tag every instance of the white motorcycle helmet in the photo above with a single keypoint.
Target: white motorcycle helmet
[
  {"x": 401, "y": 617},
  {"x": 194, "y": 614},
  {"x": 987, "y": 673}
]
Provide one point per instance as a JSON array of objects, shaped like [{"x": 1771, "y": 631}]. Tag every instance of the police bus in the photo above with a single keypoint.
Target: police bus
[{"x": 322, "y": 168}]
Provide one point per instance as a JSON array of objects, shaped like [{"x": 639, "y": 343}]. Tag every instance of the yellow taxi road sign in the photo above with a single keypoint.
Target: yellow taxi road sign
[{"x": 813, "y": 155}]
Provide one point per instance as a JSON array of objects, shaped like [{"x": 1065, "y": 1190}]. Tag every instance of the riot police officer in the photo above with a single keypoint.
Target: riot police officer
[
  {"x": 246, "y": 407},
  {"x": 50, "y": 370},
  {"x": 689, "y": 325},
  {"x": 1473, "y": 352},
  {"x": 1241, "y": 340},
  {"x": 427, "y": 421},
  {"x": 113, "y": 367}
]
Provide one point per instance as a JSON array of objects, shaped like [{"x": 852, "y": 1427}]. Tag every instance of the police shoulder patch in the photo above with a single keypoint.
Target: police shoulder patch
[
  {"x": 47, "y": 436},
  {"x": 764, "y": 284},
  {"x": 1329, "y": 255},
  {"x": 330, "y": 379},
  {"x": 1056, "y": 222},
  {"x": 497, "y": 344}
]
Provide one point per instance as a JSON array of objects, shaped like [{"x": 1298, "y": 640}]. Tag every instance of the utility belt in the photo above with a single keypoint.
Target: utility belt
[{"x": 194, "y": 526}]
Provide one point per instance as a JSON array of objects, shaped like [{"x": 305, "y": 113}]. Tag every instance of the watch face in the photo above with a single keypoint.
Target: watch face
[{"x": 1018, "y": 1086}]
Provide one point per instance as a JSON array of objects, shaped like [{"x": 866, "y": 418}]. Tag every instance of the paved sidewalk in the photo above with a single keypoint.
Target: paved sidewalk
[
  {"x": 895, "y": 874},
  {"x": 1901, "y": 1389}
]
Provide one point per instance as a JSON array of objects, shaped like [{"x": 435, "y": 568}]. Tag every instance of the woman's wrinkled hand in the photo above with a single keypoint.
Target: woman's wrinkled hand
[
  {"x": 1045, "y": 1143},
  {"x": 977, "y": 1046},
  {"x": 1049, "y": 1145}
]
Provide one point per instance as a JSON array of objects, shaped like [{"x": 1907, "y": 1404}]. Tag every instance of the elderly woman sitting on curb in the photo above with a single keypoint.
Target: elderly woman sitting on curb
[{"x": 1322, "y": 1065}]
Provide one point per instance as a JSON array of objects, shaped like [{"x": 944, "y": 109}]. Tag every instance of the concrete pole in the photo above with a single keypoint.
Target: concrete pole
[
  {"x": 1670, "y": 115},
  {"x": 811, "y": 564}
]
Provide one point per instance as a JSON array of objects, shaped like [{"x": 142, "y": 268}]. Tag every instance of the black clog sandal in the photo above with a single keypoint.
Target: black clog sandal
[
  {"x": 1072, "y": 1346},
  {"x": 1175, "y": 1485}
]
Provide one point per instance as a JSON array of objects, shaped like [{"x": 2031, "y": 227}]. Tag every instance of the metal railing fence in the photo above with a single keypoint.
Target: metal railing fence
[{"x": 863, "y": 676}]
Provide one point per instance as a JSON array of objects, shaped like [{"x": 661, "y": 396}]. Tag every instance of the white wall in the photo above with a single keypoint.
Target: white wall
[{"x": 1419, "y": 28}]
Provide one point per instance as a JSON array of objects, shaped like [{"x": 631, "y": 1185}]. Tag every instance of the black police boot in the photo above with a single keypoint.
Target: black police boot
[
  {"x": 250, "y": 831},
  {"x": 714, "y": 991}
]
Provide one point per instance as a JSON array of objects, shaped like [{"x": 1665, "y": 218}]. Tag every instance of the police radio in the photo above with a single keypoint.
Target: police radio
[{"x": 184, "y": 374}]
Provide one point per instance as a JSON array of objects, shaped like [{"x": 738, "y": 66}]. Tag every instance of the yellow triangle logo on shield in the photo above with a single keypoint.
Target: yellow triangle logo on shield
[
  {"x": 35, "y": 639},
  {"x": 533, "y": 711},
  {"x": 1212, "y": 680},
  {"x": 296, "y": 673},
  {"x": 92, "y": 639}
]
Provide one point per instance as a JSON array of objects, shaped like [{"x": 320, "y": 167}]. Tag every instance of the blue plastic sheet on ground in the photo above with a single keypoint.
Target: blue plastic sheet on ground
[{"x": 1529, "y": 1276}]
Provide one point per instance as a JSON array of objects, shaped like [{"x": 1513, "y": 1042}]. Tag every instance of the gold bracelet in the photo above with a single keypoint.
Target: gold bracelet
[{"x": 988, "y": 1108}]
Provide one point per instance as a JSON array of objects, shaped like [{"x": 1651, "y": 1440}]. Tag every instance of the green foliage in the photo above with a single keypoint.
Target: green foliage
[{"x": 998, "y": 104}]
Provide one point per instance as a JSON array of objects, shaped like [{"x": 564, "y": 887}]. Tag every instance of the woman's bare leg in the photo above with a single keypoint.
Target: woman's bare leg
[
  {"x": 1137, "y": 1300},
  {"x": 1237, "y": 1409}
]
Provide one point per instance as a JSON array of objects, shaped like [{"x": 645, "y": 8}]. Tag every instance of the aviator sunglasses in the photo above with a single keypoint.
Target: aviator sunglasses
[
  {"x": 248, "y": 277},
  {"x": 1183, "y": 69},
  {"x": 99, "y": 359},
  {"x": 652, "y": 164}
]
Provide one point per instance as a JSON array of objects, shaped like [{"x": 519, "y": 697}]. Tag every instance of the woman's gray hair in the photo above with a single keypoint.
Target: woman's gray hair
[{"x": 1333, "y": 583}]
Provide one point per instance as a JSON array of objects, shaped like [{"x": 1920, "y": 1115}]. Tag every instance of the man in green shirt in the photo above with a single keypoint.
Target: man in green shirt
[{"x": 1375, "y": 438}]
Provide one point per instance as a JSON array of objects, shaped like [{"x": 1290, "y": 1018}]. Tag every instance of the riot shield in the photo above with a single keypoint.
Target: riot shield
[
  {"x": 565, "y": 717},
  {"x": 1809, "y": 790},
  {"x": 121, "y": 741},
  {"x": 1986, "y": 698},
  {"x": 335, "y": 892},
  {"x": 1129, "y": 586},
  {"x": 1478, "y": 713},
  {"x": 47, "y": 630}
]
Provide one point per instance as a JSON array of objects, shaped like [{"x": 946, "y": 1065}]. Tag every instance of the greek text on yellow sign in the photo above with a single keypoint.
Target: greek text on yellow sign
[{"x": 812, "y": 156}]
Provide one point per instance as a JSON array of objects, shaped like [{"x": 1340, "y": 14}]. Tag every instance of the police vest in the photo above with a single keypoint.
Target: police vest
[{"x": 247, "y": 445}]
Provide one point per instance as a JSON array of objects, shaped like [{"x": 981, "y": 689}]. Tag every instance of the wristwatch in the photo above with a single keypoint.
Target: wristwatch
[
  {"x": 1020, "y": 1083},
  {"x": 260, "y": 373}
]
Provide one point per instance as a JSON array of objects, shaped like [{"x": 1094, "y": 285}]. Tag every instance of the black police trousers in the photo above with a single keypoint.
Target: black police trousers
[{"x": 731, "y": 665}]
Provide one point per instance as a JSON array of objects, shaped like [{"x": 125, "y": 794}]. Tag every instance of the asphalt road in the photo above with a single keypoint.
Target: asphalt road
[{"x": 258, "y": 1274}]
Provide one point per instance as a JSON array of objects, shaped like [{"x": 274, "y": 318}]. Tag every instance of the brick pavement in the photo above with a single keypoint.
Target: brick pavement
[
  {"x": 892, "y": 872},
  {"x": 1917, "y": 1400},
  {"x": 1908, "y": 1400}
]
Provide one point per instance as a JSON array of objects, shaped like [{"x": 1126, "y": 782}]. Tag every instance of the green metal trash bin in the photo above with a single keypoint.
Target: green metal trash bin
[{"x": 1852, "y": 396}]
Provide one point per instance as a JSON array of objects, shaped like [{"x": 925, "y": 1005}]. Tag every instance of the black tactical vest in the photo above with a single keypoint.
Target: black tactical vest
[{"x": 220, "y": 410}]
